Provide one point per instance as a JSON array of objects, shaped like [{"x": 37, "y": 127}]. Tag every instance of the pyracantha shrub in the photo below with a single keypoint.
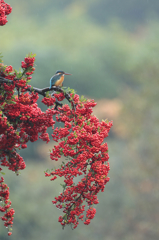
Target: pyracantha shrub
[{"x": 80, "y": 139}]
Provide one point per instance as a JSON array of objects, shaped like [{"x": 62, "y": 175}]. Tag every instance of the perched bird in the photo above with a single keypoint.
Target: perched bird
[{"x": 58, "y": 78}]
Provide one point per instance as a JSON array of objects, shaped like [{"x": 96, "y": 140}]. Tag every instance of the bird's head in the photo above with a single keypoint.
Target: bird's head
[{"x": 62, "y": 72}]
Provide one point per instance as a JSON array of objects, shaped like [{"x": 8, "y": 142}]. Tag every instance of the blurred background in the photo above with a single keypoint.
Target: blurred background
[{"x": 112, "y": 49}]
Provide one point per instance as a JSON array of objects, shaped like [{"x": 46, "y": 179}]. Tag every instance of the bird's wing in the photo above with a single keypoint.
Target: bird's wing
[{"x": 53, "y": 80}]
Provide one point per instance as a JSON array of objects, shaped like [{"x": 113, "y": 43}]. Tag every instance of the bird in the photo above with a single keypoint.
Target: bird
[{"x": 58, "y": 78}]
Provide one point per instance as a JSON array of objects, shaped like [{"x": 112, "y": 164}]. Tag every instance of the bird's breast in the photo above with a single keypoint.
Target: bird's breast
[{"x": 60, "y": 81}]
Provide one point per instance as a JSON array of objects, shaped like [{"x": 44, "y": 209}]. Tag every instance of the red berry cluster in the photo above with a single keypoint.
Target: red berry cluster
[
  {"x": 4, "y": 197},
  {"x": 81, "y": 142},
  {"x": 28, "y": 65},
  {"x": 5, "y": 9},
  {"x": 48, "y": 101}
]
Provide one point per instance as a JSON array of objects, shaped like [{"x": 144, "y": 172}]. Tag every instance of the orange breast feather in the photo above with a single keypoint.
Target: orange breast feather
[{"x": 59, "y": 82}]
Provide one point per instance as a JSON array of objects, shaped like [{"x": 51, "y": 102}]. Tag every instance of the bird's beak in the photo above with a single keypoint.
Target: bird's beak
[{"x": 68, "y": 74}]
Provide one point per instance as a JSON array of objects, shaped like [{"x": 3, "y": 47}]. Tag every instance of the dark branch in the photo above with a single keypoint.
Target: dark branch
[
  {"x": 42, "y": 91},
  {"x": 33, "y": 89}
]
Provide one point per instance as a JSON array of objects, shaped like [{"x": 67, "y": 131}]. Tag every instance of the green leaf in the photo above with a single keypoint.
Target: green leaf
[
  {"x": 83, "y": 99},
  {"x": 12, "y": 102}
]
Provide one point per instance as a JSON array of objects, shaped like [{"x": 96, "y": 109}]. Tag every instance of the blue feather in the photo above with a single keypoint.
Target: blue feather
[{"x": 53, "y": 79}]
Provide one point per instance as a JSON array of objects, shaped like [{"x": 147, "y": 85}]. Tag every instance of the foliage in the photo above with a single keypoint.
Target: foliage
[
  {"x": 129, "y": 13},
  {"x": 139, "y": 124}
]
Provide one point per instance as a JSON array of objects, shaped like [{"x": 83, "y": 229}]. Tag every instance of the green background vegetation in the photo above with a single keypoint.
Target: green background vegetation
[{"x": 111, "y": 48}]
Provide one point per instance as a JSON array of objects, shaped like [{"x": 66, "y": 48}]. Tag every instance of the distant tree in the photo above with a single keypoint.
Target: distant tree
[
  {"x": 139, "y": 124},
  {"x": 130, "y": 13}
]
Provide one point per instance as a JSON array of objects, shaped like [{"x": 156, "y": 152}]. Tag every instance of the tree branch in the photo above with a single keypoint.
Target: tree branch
[{"x": 42, "y": 91}]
